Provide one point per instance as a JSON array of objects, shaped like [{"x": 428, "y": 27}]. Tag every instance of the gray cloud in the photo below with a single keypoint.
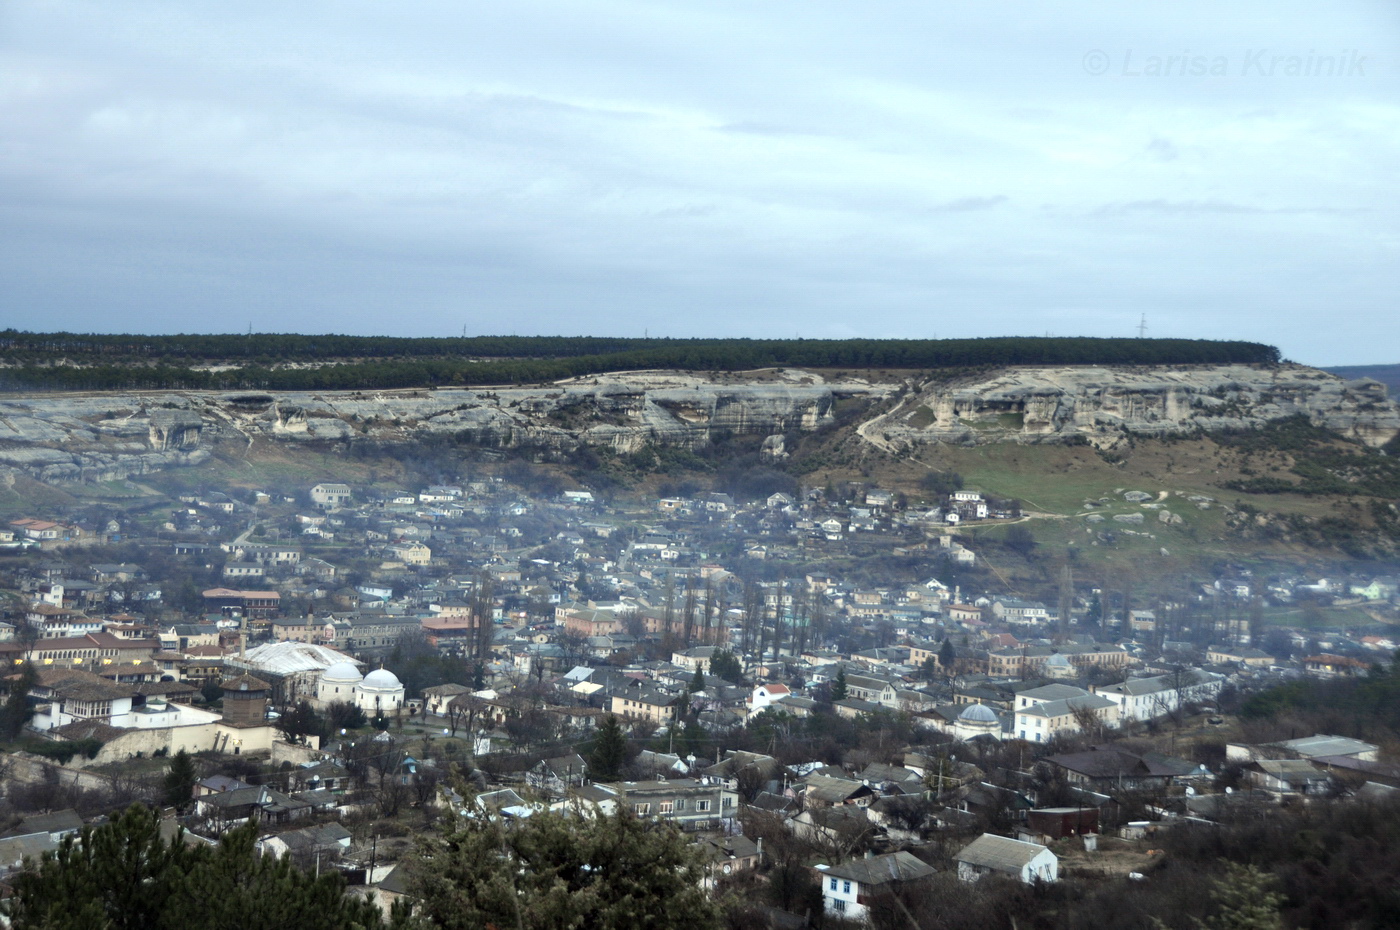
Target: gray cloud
[{"x": 890, "y": 169}]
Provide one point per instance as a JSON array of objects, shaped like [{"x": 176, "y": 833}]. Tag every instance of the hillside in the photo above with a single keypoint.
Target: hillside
[{"x": 1277, "y": 460}]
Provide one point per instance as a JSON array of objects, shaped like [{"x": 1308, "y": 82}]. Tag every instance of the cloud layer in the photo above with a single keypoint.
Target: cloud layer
[{"x": 685, "y": 169}]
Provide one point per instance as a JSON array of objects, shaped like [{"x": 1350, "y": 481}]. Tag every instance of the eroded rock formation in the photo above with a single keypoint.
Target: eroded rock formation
[{"x": 1106, "y": 405}]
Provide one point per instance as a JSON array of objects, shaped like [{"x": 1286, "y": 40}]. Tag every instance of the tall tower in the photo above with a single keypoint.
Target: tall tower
[{"x": 245, "y": 701}]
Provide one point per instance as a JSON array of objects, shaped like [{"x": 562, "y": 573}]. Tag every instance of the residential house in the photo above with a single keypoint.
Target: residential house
[
  {"x": 648, "y": 704},
  {"x": 687, "y": 803},
  {"x": 1287, "y": 777},
  {"x": 991, "y": 854},
  {"x": 849, "y": 888},
  {"x": 555, "y": 776}
]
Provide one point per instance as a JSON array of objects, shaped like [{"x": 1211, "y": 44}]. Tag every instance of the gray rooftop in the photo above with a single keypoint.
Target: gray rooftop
[{"x": 999, "y": 852}]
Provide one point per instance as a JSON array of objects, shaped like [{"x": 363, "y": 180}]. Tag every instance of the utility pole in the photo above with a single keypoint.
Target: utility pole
[{"x": 1142, "y": 327}]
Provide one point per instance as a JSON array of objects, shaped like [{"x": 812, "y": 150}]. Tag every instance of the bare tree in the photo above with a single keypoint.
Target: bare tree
[{"x": 463, "y": 711}]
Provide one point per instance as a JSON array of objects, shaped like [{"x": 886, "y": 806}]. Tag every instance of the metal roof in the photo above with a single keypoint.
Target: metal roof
[{"x": 1000, "y": 853}]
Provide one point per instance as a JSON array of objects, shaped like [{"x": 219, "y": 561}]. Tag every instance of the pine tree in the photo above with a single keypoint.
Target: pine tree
[
  {"x": 1246, "y": 900},
  {"x": 697, "y": 683},
  {"x": 554, "y": 872},
  {"x": 838, "y": 686},
  {"x": 947, "y": 655},
  {"x": 609, "y": 751},
  {"x": 124, "y": 876},
  {"x": 14, "y": 713},
  {"x": 724, "y": 664},
  {"x": 180, "y": 781}
]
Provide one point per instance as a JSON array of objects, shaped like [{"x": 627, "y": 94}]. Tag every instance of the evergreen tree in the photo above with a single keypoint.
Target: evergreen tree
[
  {"x": 1246, "y": 900},
  {"x": 343, "y": 715},
  {"x": 212, "y": 691},
  {"x": 609, "y": 751},
  {"x": 125, "y": 876},
  {"x": 838, "y": 686},
  {"x": 554, "y": 872},
  {"x": 947, "y": 655},
  {"x": 180, "y": 781},
  {"x": 15, "y": 713},
  {"x": 697, "y": 683},
  {"x": 725, "y": 664},
  {"x": 300, "y": 720}
]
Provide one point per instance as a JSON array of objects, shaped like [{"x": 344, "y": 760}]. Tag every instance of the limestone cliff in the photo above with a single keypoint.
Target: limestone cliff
[
  {"x": 86, "y": 437},
  {"x": 1105, "y": 405}
]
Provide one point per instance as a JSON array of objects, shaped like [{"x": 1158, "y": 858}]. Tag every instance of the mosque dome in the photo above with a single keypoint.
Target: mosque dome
[
  {"x": 977, "y": 713},
  {"x": 342, "y": 673},
  {"x": 381, "y": 679}
]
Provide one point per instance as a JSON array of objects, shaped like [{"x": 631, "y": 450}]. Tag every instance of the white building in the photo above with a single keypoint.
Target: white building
[
  {"x": 976, "y": 720},
  {"x": 848, "y": 888},
  {"x": 380, "y": 693},
  {"x": 1029, "y": 862},
  {"x": 765, "y": 696},
  {"x": 1146, "y": 698},
  {"x": 329, "y": 495}
]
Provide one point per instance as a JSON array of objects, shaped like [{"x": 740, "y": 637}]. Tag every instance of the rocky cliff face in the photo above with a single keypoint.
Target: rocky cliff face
[
  {"x": 1106, "y": 405},
  {"x": 104, "y": 436},
  {"x": 100, "y": 437}
]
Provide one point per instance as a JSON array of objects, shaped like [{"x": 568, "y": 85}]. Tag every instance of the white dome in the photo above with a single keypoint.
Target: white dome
[
  {"x": 342, "y": 672},
  {"x": 381, "y": 679},
  {"x": 978, "y": 713}
]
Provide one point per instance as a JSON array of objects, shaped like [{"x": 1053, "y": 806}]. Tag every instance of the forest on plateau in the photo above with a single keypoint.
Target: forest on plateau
[{"x": 92, "y": 362}]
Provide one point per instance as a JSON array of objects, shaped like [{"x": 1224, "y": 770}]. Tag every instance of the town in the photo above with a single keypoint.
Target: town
[{"x": 346, "y": 664}]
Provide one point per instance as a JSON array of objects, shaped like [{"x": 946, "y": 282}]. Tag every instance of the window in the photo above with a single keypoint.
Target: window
[
  {"x": 702, "y": 806},
  {"x": 845, "y": 887},
  {"x": 833, "y": 884},
  {"x": 838, "y": 905},
  {"x": 664, "y": 807},
  {"x": 643, "y": 810},
  {"x": 680, "y": 804}
]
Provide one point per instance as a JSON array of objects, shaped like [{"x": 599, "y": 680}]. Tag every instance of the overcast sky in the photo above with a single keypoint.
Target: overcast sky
[{"x": 823, "y": 169}]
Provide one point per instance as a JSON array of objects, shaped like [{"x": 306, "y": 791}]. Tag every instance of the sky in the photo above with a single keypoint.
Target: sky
[{"x": 766, "y": 169}]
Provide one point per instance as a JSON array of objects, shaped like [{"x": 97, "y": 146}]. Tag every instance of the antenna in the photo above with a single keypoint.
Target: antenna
[{"x": 1142, "y": 326}]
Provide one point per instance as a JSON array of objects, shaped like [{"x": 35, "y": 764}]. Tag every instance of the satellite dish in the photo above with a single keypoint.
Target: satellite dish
[
  {"x": 1190, "y": 792},
  {"x": 1229, "y": 790}
]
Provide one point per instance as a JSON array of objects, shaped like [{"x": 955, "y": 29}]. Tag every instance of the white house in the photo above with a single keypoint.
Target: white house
[
  {"x": 848, "y": 888},
  {"x": 766, "y": 695},
  {"x": 1029, "y": 862},
  {"x": 1146, "y": 698}
]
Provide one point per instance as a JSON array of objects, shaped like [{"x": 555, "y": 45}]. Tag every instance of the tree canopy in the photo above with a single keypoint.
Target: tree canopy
[
  {"x": 125, "y": 876},
  {"x": 70, "y": 361},
  {"x": 561, "y": 872},
  {"x": 609, "y": 751}
]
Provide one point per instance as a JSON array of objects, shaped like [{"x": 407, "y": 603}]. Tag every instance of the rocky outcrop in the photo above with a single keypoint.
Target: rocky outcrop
[
  {"x": 76, "y": 437},
  {"x": 1106, "y": 405},
  {"x": 98, "y": 437}
]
